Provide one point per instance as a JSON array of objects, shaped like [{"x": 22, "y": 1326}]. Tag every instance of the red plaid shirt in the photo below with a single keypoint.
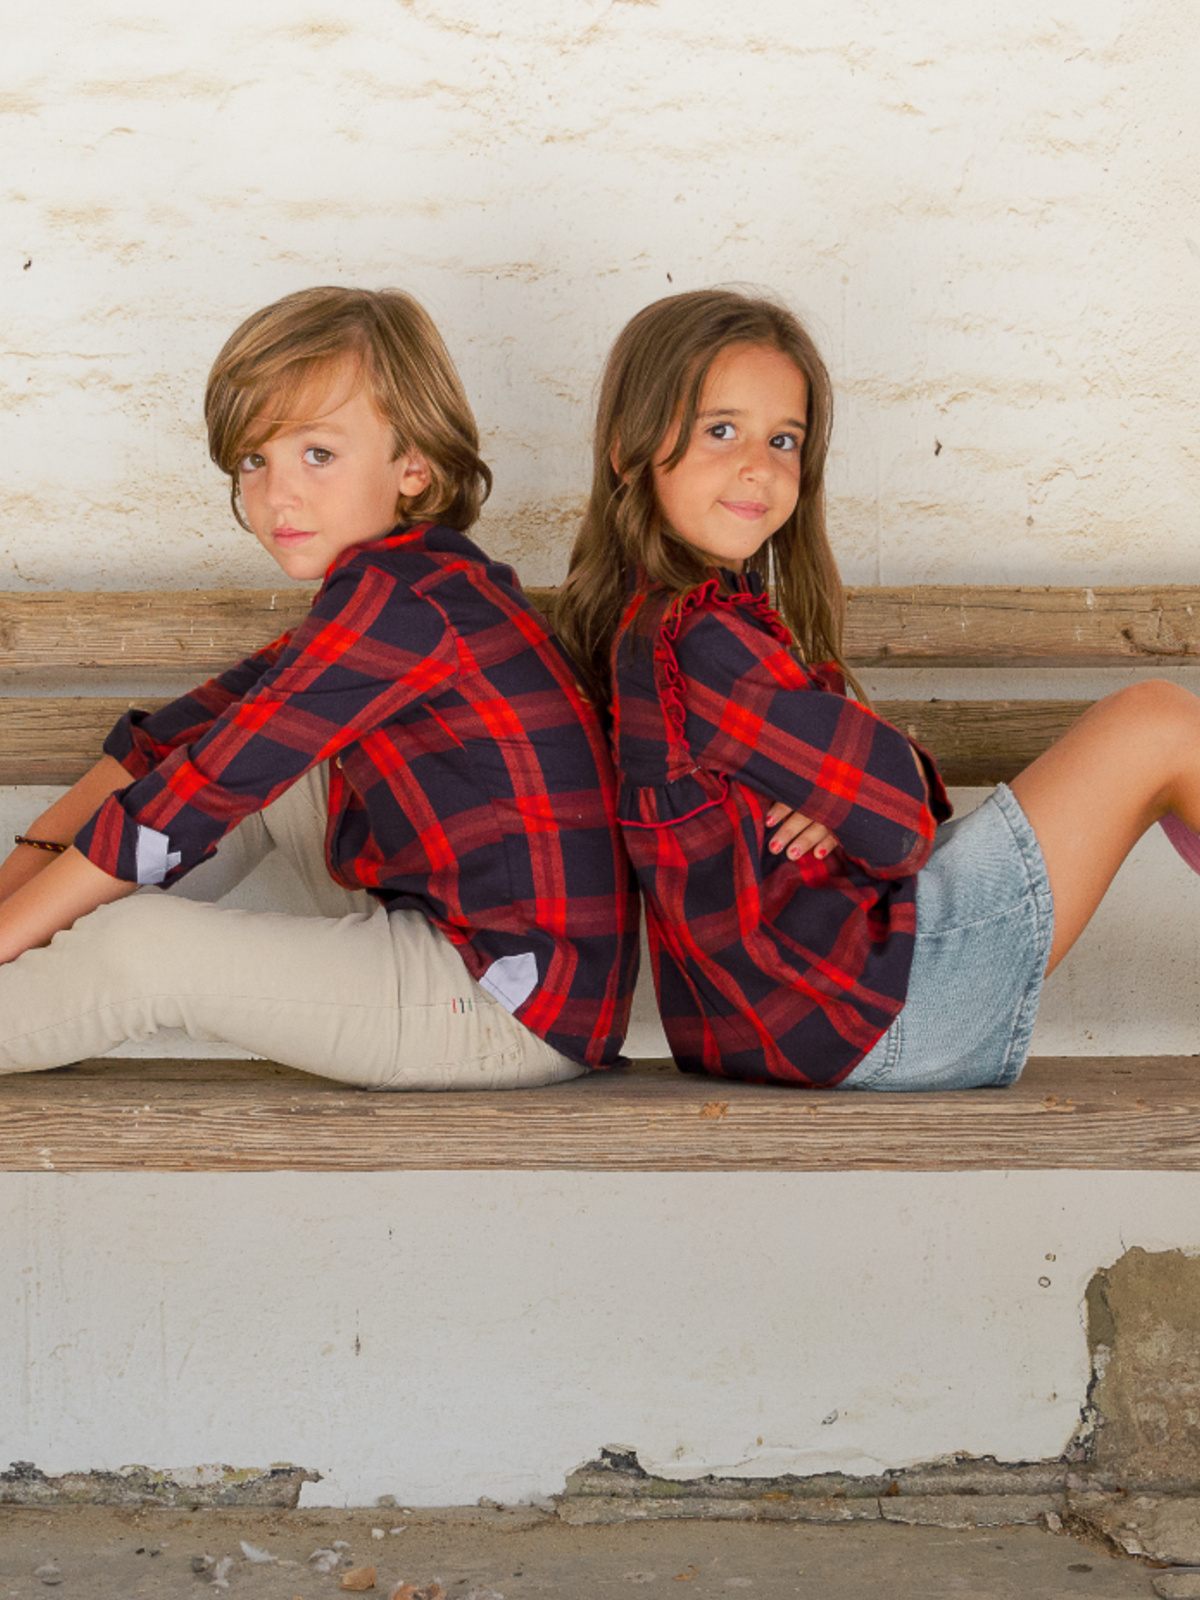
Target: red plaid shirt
[
  {"x": 470, "y": 779},
  {"x": 765, "y": 968}
]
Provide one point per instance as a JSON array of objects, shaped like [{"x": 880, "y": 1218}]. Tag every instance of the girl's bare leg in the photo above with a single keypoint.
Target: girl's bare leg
[{"x": 1129, "y": 759}]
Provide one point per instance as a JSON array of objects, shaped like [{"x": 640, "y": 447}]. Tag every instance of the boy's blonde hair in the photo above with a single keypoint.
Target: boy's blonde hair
[
  {"x": 652, "y": 384},
  {"x": 278, "y": 353}
]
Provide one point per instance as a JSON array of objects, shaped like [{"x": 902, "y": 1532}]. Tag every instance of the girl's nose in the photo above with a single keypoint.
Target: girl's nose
[{"x": 756, "y": 459}]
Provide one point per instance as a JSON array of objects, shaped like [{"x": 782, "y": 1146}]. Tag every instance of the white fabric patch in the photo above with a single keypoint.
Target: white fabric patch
[
  {"x": 155, "y": 858},
  {"x": 511, "y": 980}
]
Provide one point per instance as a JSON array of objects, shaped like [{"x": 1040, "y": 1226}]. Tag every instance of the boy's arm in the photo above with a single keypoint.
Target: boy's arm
[
  {"x": 59, "y": 823},
  {"x": 66, "y": 889}
]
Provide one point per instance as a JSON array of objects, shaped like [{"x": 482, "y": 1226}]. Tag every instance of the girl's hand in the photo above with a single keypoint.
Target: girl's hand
[{"x": 797, "y": 834}]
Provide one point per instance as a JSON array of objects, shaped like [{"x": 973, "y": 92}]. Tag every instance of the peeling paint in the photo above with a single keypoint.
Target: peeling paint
[
  {"x": 24, "y": 1485},
  {"x": 1144, "y": 1333}
]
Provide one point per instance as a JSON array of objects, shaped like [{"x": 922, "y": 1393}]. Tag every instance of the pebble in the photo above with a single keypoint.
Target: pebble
[
  {"x": 253, "y": 1553},
  {"x": 48, "y": 1572}
]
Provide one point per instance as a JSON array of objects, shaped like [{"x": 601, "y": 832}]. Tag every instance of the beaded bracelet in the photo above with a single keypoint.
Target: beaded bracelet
[{"x": 41, "y": 844}]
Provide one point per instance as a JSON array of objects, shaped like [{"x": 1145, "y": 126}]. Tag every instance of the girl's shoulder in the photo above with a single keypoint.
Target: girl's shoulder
[
  {"x": 721, "y": 631},
  {"x": 731, "y": 604}
]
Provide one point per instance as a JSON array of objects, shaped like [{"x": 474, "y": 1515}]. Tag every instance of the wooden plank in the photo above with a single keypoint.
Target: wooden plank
[
  {"x": 157, "y": 635},
  {"x": 978, "y": 626},
  {"x": 1133, "y": 1113},
  {"x": 982, "y": 742},
  {"x": 187, "y": 635},
  {"x": 55, "y": 740}
]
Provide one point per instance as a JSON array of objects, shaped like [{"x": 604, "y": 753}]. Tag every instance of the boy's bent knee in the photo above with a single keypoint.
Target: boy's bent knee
[{"x": 138, "y": 934}]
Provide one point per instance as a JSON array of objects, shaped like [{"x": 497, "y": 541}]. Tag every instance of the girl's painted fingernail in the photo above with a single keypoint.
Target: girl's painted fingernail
[
  {"x": 821, "y": 852},
  {"x": 775, "y": 846}
]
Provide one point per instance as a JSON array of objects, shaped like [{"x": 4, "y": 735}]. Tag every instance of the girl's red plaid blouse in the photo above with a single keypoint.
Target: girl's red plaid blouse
[{"x": 765, "y": 968}]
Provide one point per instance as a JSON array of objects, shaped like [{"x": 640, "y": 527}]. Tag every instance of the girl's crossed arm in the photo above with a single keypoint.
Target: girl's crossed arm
[{"x": 752, "y": 712}]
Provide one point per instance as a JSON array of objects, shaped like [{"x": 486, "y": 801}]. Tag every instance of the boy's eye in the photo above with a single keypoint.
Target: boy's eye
[
  {"x": 721, "y": 430},
  {"x": 316, "y": 456},
  {"x": 251, "y": 462}
]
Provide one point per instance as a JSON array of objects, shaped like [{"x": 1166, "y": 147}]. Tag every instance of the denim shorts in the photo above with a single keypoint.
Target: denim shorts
[{"x": 985, "y": 919}]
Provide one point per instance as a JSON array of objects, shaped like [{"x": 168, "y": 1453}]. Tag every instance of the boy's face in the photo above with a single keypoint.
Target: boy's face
[{"x": 321, "y": 485}]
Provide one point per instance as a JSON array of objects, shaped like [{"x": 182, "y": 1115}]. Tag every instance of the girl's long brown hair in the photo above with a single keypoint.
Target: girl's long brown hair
[{"x": 654, "y": 378}]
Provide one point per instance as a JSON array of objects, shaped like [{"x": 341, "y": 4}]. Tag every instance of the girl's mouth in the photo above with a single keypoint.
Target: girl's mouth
[{"x": 748, "y": 510}]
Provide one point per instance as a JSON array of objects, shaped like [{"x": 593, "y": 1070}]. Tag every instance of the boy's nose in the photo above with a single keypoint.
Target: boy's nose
[{"x": 280, "y": 488}]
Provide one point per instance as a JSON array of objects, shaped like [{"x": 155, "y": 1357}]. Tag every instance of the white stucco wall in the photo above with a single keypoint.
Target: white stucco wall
[
  {"x": 989, "y": 216},
  {"x": 441, "y": 1336}
]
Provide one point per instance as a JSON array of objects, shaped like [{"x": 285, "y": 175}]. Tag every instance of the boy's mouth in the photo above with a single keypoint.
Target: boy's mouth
[{"x": 287, "y": 535}]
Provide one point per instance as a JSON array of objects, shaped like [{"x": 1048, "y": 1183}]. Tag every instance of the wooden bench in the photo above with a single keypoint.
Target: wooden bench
[{"x": 138, "y": 648}]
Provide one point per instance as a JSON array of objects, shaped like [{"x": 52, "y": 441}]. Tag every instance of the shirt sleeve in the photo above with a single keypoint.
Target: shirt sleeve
[
  {"x": 754, "y": 712},
  {"x": 142, "y": 739},
  {"x": 368, "y": 648}
]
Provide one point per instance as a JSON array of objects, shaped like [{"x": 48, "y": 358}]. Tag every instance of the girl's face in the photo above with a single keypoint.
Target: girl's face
[
  {"x": 332, "y": 481},
  {"x": 739, "y": 479}
]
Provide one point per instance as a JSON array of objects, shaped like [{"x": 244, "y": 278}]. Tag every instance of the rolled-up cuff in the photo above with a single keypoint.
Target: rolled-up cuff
[
  {"x": 129, "y": 744},
  {"x": 126, "y": 849}
]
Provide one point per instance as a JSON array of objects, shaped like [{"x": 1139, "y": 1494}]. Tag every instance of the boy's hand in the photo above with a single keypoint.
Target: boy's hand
[{"x": 797, "y": 834}]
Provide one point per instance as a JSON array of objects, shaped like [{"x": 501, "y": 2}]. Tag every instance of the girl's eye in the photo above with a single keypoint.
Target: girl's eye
[
  {"x": 721, "y": 430},
  {"x": 785, "y": 441},
  {"x": 317, "y": 457},
  {"x": 250, "y": 463}
]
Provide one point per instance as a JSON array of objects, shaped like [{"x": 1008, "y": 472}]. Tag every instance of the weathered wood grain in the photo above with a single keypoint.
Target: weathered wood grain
[
  {"x": 187, "y": 635},
  {"x": 174, "y": 1116},
  {"x": 985, "y": 626},
  {"x": 982, "y": 742},
  {"x": 53, "y": 740}
]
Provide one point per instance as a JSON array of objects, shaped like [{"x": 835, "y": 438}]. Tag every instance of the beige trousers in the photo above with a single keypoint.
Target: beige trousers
[{"x": 349, "y": 992}]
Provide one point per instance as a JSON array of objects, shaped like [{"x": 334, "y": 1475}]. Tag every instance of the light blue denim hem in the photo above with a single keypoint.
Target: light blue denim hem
[{"x": 985, "y": 923}]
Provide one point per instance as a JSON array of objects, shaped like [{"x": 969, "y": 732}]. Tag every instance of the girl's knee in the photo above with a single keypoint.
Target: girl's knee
[{"x": 1154, "y": 705}]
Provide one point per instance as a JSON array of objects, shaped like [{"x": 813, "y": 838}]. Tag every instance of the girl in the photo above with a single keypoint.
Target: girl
[
  {"x": 418, "y": 746},
  {"x": 878, "y": 950}
]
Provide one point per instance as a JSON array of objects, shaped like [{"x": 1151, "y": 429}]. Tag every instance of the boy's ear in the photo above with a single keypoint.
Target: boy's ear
[{"x": 414, "y": 474}]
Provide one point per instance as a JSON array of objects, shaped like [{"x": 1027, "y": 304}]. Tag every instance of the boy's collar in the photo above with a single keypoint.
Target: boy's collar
[{"x": 400, "y": 535}]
